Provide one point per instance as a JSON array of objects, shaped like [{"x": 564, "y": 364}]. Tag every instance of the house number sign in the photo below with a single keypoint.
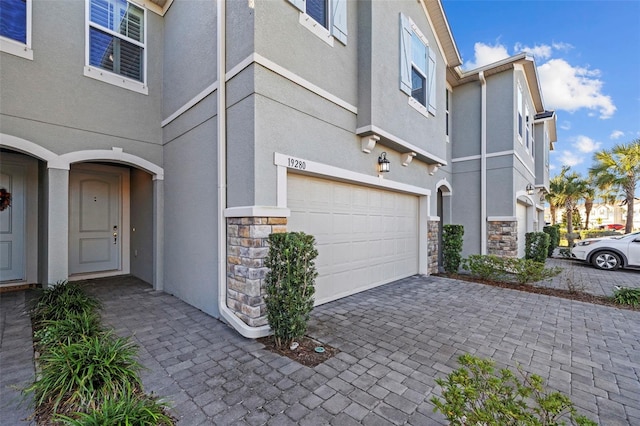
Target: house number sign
[{"x": 294, "y": 163}]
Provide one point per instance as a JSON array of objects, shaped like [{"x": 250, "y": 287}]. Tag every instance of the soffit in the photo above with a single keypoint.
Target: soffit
[{"x": 440, "y": 25}]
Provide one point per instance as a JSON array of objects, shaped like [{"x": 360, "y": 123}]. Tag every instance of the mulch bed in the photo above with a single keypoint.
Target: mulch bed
[
  {"x": 530, "y": 288},
  {"x": 305, "y": 353}
]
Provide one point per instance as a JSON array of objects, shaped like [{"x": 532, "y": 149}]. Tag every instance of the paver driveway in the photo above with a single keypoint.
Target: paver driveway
[{"x": 394, "y": 341}]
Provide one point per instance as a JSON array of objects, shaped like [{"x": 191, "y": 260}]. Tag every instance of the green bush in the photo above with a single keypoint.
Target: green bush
[
  {"x": 554, "y": 238},
  {"x": 452, "y": 247},
  {"x": 61, "y": 301},
  {"x": 627, "y": 296},
  {"x": 127, "y": 409},
  {"x": 507, "y": 269},
  {"x": 536, "y": 246},
  {"x": 71, "y": 329},
  {"x": 475, "y": 394},
  {"x": 290, "y": 284},
  {"x": 598, "y": 233},
  {"x": 78, "y": 376}
]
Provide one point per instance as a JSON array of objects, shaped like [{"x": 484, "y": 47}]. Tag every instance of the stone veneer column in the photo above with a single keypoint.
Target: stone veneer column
[
  {"x": 433, "y": 249},
  {"x": 503, "y": 238},
  {"x": 247, "y": 247}
]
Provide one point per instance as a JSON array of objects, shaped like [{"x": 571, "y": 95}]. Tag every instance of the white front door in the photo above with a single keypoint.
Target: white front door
[
  {"x": 95, "y": 219},
  {"x": 12, "y": 224}
]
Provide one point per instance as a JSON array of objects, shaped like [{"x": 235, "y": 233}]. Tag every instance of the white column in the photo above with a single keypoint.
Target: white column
[
  {"x": 158, "y": 234},
  {"x": 57, "y": 226}
]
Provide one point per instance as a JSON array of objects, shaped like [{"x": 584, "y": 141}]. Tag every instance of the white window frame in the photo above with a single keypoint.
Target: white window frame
[
  {"x": 447, "y": 113},
  {"x": 108, "y": 76},
  {"x": 519, "y": 114},
  {"x": 14, "y": 47},
  {"x": 336, "y": 22},
  {"x": 429, "y": 74}
]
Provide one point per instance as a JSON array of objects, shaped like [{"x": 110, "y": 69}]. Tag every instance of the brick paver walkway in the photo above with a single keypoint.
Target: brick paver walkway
[{"x": 394, "y": 341}]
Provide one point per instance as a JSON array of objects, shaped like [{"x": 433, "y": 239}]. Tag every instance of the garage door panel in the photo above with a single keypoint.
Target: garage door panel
[{"x": 365, "y": 236}]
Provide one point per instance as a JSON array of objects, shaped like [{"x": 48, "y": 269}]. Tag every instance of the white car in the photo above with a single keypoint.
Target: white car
[{"x": 610, "y": 253}]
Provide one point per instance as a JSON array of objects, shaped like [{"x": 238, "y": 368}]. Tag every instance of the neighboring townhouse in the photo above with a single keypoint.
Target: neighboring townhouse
[
  {"x": 500, "y": 140},
  {"x": 601, "y": 215},
  {"x": 167, "y": 139}
]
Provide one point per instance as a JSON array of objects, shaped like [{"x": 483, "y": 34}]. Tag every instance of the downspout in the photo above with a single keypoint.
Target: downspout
[
  {"x": 227, "y": 314},
  {"x": 483, "y": 163}
]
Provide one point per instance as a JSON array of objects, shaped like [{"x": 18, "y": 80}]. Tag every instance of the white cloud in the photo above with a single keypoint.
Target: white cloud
[
  {"x": 565, "y": 125},
  {"x": 586, "y": 144},
  {"x": 572, "y": 88},
  {"x": 539, "y": 51},
  {"x": 570, "y": 158},
  {"x": 485, "y": 54},
  {"x": 616, "y": 134}
]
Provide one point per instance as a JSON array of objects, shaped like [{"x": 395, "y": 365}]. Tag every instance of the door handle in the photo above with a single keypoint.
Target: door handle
[{"x": 115, "y": 235}]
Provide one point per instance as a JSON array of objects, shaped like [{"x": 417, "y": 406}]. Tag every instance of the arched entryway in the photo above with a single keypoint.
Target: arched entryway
[
  {"x": 443, "y": 209},
  {"x": 91, "y": 213}
]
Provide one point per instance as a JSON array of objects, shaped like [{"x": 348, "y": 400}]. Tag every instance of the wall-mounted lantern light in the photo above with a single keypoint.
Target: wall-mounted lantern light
[
  {"x": 383, "y": 163},
  {"x": 530, "y": 189}
]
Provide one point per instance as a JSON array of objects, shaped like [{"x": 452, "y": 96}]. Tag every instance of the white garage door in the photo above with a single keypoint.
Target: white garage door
[
  {"x": 365, "y": 237},
  {"x": 521, "y": 215}
]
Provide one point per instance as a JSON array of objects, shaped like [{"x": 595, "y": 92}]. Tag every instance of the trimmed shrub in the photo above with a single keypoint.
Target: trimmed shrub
[
  {"x": 536, "y": 246},
  {"x": 290, "y": 285},
  {"x": 475, "y": 394},
  {"x": 452, "y": 247},
  {"x": 597, "y": 233},
  {"x": 507, "y": 269},
  {"x": 554, "y": 238},
  {"x": 70, "y": 330}
]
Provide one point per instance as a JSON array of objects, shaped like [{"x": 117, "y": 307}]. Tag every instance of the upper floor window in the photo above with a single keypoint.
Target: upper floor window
[
  {"x": 447, "y": 123},
  {"x": 527, "y": 125},
  {"x": 15, "y": 27},
  {"x": 116, "y": 43},
  {"x": 330, "y": 14},
  {"x": 417, "y": 67},
  {"x": 520, "y": 118}
]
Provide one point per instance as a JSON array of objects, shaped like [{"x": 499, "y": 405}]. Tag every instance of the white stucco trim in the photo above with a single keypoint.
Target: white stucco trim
[
  {"x": 316, "y": 28},
  {"x": 501, "y": 219},
  {"x": 257, "y": 211},
  {"x": 26, "y": 147},
  {"x": 283, "y": 72},
  {"x": 115, "y": 154},
  {"x": 336, "y": 173},
  {"x": 446, "y": 184},
  {"x": 434, "y": 218},
  {"x": 468, "y": 158},
  {"x": 191, "y": 103},
  {"x": 406, "y": 145}
]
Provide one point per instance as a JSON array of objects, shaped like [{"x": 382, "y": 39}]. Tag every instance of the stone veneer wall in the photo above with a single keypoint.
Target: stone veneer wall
[
  {"x": 247, "y": 247},
  {"x": 503, "y": 238},
  {"x": 433, "y": 249}
]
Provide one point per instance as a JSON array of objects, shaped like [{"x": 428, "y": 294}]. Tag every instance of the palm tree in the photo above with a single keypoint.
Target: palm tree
[
  {"x": 589, "y": 195},
  {"x": 619, "y": 169},
  {"x": 571, "y": 188},
  {"x": 555, "y": 184}
]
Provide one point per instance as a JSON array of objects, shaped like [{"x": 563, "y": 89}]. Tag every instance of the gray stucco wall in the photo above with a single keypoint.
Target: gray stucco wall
[
  {"x": 42, "y": 101},
  {"x": 141, "y": 251},
  {"x": 465, "y": 120},
  {"x": 500, "y": 112}
]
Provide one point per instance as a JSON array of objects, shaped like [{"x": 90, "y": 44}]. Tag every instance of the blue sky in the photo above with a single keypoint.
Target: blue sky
[{"x": 588, "y": 59}]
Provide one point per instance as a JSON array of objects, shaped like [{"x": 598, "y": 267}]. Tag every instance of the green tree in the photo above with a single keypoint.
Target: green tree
[
  {"x": 619, "y": 169},
  {"x": 589, "y": 195},
  {"x": 555, "y": 202}
]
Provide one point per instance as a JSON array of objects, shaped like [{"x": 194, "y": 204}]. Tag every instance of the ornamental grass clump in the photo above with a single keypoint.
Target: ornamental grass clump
[
  {"x": 78, "y": 376},
  {"x": 627, "y": 296},
  {"x": 290, "y": 285},
  {"x": 475, "y": 394},
  {"x": 61, "y": 301},
  {"x": 127, "y": 409},
  {"x": 71, "y": 329}
]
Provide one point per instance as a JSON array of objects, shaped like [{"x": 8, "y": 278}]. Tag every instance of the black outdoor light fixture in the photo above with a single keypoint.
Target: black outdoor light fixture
[
  {"x": 530, "y": 189},
  {"x": 383, "y": 163}
]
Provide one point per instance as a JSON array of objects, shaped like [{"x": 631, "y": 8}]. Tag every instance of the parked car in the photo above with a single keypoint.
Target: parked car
[{"x": 610, "y": 253}]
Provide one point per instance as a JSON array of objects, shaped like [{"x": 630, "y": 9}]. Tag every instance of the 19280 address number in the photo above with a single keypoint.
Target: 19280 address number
[{"x": 296, "y": 164}]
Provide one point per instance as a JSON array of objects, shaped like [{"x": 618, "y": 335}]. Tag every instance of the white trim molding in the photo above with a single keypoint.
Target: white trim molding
[
  {"x": 303, "y": 166},
  {"x": 191, "y": 103},
  {"x": 501, "y": 219},
  {"x": 116, "y": 155},
  {"x": 406, "y": 146},
  {"x": 27, "y": 147},
  {"x": 257, "y": 211},
  {"x": 14, "y": 47},
  {"x": 446, "y": 184}
]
